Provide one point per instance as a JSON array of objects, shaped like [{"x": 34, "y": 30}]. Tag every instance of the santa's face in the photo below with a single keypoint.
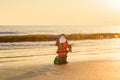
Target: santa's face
[{"x": 62, "y": 39}]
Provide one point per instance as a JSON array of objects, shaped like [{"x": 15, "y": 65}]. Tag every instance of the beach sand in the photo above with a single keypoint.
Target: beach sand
[{"x": 80, "y": 67}]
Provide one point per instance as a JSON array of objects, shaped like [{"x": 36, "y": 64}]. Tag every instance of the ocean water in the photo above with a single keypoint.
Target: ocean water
[
  {"x": 25, "y": 30},
  {"x": 17, "y": 51},
  {"x": 12, "y": 50},
  {"x": 105, "y": 46}
]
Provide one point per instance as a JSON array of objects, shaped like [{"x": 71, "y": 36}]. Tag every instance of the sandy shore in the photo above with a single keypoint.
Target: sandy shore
[{"x": 80, "y": 67}]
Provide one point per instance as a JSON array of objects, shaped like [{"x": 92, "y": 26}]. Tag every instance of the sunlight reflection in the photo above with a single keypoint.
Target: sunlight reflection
[{"x": 113, "y": 4}]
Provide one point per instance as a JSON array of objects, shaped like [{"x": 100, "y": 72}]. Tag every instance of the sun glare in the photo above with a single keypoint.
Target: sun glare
[{"x": 113, "y": 4}]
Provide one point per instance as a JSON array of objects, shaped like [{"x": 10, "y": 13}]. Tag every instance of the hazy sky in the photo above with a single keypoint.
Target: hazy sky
[{"x": 59, "y": 12}]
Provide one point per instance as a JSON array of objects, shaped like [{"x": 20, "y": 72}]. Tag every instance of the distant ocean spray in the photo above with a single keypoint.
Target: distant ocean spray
[{"x": 26, "y": 30}]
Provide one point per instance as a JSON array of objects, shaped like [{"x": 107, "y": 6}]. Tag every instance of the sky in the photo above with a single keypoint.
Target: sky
[{"x": 59, "y": 12}]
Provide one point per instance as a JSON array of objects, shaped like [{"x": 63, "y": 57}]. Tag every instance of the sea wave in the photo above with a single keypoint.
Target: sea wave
[
  {"x": 25, "y": 45},
  {"x": 48, "y": 37}
]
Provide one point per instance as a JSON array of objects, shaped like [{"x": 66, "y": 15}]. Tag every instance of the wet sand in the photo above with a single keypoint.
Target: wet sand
[{"x": 80, "y": 67}]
